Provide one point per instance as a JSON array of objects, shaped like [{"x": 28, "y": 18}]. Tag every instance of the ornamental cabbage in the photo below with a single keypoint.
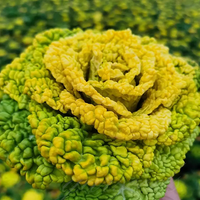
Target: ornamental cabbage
[{"x": 108, "y": 115}]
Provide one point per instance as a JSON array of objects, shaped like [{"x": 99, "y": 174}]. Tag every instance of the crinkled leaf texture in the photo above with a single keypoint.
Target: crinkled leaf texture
[{"x": 109, "y": 115}]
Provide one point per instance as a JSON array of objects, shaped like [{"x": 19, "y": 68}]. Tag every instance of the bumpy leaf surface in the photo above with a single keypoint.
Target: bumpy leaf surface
[{"x": 111, "y": 111}]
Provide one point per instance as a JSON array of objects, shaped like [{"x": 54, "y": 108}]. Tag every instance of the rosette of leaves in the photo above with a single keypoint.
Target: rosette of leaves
[{"x": 105, "y": 110}]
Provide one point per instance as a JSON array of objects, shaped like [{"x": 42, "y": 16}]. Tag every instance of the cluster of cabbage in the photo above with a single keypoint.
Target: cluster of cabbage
[{"x": 109, "y": 114}]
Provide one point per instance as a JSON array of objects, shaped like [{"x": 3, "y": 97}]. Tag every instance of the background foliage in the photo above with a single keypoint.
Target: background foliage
[
  {"x": 15, "y": 187},
  {"x": 173, "y": 22}
]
